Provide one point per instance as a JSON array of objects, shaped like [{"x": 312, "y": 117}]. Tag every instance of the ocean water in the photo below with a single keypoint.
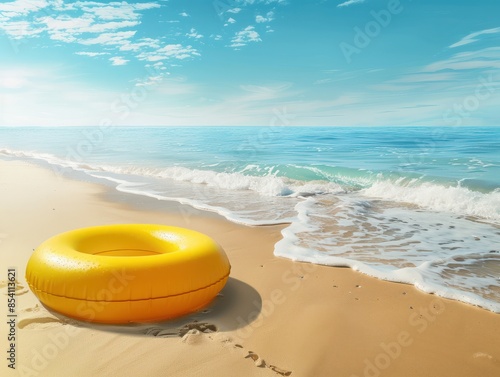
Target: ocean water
[{"x": 418, "y": 205}]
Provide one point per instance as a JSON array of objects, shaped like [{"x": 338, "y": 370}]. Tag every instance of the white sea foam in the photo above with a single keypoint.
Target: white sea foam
[
  {"x": 376, "y": 230},
  {"x": 427, "y": 195},
  {"x": 439, "y": 253},
  {"x": 436, "y": 197}
]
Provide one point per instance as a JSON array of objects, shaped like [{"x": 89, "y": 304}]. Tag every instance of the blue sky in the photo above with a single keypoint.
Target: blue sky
[{"x": 250, "y": 62}]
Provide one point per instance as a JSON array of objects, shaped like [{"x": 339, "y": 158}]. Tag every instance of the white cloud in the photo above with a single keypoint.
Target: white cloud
[
  {"x": 245, "y": 36},
  {"x": 488, "y": 58},
  {"x": 91, "y": 54},
  {"x": 473, "y": 37},
  {"x": 150, "y": 81},
  {"x": 175, "y": 51},
  {"x": 144, "y": 43},
  {"x": 118, "y": 60},
  {"x": 118, "y": 38},
  {"x": 350, "y": 2},
  {"x": 426, "y": 77},
  {"x": 115, "y": 10},
  {"x": 69, "y": 29},
  {"x": 113, "y": 25},
  {"x": 323, "y": 81},
  {"x": 194, "y": 34},
  {"x": 268, "y": 18},
  {"x": 65, "y": 22},
  {"x": 116, "y": 25},
  {"x": 265, "y": 92},
  {"x": 21, "y": 7},
  {"x": 20, "y": 29},
  {"x": 83, "y": 22}
]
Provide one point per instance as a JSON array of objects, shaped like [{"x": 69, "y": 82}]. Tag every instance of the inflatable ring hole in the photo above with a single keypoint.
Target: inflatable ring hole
[
  {"x": 125, "y": 245},
  {"x": 126, "y": 253}
]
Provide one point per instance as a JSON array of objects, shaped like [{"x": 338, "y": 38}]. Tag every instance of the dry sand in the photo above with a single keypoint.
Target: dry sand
[{"x": 274, "y": 317}]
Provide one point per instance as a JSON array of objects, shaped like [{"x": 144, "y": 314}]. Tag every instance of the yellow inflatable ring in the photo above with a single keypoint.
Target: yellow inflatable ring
[{"x": 127, "y": 273}]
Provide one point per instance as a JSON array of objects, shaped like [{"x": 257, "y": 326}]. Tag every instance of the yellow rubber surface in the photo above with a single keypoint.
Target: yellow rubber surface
[{"x": 127, "y": 273}]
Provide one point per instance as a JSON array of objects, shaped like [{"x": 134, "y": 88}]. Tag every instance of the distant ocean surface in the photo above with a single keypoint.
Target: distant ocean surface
[{"x": 407, "y": 204}]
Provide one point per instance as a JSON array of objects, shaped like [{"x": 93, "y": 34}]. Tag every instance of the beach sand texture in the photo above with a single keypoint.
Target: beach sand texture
[{"x": 275, "y": 317}]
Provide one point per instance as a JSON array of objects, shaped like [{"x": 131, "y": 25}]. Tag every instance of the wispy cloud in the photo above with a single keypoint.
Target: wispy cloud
[
  {"x": 245, "y": 36},
  {"x": 109, "y": 25},
  {"x": 114, "y": 10},
  {"x": 425, "y": 77},
  {"x": 171, "y": 51},
  {"x": 487, "y": 58},
  {"x": 349, "y": 3},
  {"x": 91, "y": 54},
  {"x": 473, "y": 60},
  {"x": 69, "y": 29},
  {"x": 34, "y": 93},
  {"x": 20, "y": 29},
  {"x": 116, "y": 38},
  {"x": 140, "y": 45},
  {"x": 267, "y": 18},
  {"x": 118, "y": 60},
  {"x": 74, "y": 20},
  {"x": 194, "y": 34},
  {"x": 474, "y": 37},
  {"x": 21, "y": 8},
  {"x": 260, "y": 12}
]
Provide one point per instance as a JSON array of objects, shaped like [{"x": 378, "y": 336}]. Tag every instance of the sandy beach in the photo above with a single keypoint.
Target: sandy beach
[{"x": 274, "y": 317}]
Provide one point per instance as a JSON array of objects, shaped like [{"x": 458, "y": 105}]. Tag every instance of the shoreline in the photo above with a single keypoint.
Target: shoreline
[{"x": 306, "y": 319}]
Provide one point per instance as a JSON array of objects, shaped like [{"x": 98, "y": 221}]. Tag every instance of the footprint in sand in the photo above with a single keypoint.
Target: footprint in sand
[
  {"x": 161, "y": 333},
  {"x": 259, "y": 362},
  {"x": 193, "y": 337},
  {"x": 280, "y": 371},
  {"x": 201, "y": 327}
]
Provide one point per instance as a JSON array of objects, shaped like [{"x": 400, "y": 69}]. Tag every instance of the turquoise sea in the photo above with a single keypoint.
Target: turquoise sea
[{"x": 419, "y": 205}]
